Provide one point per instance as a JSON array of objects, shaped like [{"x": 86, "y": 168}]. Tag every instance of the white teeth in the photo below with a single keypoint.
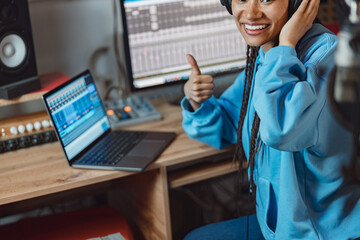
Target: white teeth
[{"x": 255, "y": 27}]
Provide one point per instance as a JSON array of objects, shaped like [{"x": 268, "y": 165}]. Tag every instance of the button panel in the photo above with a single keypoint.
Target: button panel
[{"x": 25, "y": 131}]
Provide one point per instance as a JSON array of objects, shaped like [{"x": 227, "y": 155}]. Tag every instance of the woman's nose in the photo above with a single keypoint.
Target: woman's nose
[{"x": 253, "y": 10}]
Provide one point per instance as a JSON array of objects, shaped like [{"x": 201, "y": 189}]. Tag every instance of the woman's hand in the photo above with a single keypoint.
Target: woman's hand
[
  {"x": 299, "y": 23},
  {"x": 199, "y": 87}
]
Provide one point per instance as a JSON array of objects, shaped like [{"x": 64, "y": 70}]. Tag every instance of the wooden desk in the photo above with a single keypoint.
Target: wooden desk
[{"x": 33, "y": 177}]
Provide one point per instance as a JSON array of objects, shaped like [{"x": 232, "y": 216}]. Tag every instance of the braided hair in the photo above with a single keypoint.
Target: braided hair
[
  {"x": 255, "y": 140},
  {"x": 239, "y": 156}
]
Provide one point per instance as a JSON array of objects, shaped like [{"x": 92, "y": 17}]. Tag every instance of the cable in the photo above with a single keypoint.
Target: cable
[{"x": 122, "y": 72}]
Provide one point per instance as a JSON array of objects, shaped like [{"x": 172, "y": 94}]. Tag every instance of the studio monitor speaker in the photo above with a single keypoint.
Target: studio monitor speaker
[{"x": 18, "y": 73}]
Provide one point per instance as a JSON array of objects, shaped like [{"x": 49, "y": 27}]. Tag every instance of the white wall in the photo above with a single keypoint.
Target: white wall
[{"x": 67, "y": 32}]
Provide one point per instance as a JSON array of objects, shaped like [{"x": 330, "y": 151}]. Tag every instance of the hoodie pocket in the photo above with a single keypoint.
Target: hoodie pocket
[{"x": 266, "y": 208}]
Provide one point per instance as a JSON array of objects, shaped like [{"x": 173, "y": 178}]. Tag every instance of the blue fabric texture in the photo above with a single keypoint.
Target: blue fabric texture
[
  {"x": 302, "y": 191},
  {"x": 228, "y": 230}
]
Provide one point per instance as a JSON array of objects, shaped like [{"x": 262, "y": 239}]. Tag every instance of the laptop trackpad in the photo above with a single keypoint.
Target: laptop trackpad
[{"x": 147, "y": 148}]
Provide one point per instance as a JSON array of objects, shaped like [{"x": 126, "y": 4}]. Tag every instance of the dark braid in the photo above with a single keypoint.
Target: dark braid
[
  {"x": 239, "y": 156},
  {"x": 253, "y": 149}
]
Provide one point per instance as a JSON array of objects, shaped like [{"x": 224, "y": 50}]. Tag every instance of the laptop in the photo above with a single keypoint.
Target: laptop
[{"x": 83, "y": 129}]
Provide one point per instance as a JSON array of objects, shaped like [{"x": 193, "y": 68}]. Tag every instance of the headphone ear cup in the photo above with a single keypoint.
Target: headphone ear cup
[{"x": 227, "y": 4}]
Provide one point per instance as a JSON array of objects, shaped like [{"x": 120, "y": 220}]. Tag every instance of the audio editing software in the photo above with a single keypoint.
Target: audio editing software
[
  {"x": 162, "y": 32},
  {"x": 76, "y": 109}
]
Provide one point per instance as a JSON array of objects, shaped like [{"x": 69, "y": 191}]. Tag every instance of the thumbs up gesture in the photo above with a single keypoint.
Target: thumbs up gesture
[{"x": 199, "y": 87}]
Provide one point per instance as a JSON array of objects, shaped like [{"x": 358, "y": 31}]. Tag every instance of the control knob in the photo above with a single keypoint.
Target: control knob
[
  {"x": 37, "y": 125},
  {"x": 45, "y": 123},
  {"x": 13, "y": 130},
  {"x": 21, "y": 129},
  {"x": 29, "y": 127}
]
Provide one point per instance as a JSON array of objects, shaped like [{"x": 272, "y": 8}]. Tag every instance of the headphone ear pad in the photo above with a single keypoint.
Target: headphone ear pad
[{"x": 227, "y": 4}]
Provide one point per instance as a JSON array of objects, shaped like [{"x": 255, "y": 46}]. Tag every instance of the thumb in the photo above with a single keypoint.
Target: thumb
[{"x": 193, "y": 64}]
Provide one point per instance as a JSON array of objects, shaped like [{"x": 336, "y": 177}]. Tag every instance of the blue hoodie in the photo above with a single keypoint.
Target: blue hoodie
[{"x": 302, "y": 191}]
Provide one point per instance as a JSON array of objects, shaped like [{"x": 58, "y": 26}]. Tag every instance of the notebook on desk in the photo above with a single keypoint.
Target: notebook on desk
[{"x": 84, "y": 131}]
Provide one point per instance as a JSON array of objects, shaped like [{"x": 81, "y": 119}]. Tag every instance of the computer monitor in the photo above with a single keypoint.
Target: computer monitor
[{"x": 159, "y": 33}]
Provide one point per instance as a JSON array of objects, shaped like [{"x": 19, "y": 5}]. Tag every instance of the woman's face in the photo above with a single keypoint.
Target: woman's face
[{"x": 260, "y": 21}]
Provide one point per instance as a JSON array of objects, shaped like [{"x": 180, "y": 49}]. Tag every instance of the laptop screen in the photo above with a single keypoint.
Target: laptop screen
[{"x": 77, "y": 113}]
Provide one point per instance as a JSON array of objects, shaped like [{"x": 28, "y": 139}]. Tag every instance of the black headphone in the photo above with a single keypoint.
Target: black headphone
[
  {"x": 227, "y": 4},
  {"x": 293, "y": 6}
]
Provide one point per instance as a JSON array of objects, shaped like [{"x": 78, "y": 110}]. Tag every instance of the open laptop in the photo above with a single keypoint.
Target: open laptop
[{"x": 83, "y": 129}]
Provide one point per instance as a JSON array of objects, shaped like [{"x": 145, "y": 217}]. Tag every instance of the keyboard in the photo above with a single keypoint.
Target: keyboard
[
  {"x": 130, "y": 110},
  {"x": 110, "y": 150}
]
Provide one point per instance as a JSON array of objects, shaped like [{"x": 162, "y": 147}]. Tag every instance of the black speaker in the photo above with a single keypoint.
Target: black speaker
[{"x": 18, "y": 73}]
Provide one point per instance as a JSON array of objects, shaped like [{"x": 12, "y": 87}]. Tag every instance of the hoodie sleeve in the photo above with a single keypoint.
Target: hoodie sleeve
[
  {"x": 289, "y": 95},
  {"x": 215, "y": 122}
]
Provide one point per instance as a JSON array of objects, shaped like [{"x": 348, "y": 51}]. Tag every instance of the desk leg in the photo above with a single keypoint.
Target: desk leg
[{"x": 144, "y": 199}]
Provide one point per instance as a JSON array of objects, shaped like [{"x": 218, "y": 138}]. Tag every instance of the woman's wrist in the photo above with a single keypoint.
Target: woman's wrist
[
  {"x": 194, "y": 105},
  {"x": 287, "y": 43}
]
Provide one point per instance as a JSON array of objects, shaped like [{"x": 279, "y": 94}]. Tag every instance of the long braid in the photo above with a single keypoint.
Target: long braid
[
  {"x": 254, "y": 141},
  {"x": 239, "y": 150},
  {"x": 239, "y": 155},
  {"x": 252, "y": 53}
]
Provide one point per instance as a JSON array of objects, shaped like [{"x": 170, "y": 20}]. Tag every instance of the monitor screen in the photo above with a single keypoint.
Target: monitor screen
[
  {"x": 77, "y": 113},
  {"x": 159, "y": 33}
]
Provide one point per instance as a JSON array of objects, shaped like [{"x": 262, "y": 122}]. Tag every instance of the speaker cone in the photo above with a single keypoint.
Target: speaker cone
[{"x": 12, "y": 51}]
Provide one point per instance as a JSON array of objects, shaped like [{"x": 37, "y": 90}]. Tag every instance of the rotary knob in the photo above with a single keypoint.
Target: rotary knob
[
  {"x": 37, "y": 125},
  {"x": 45, "y": 123},
  {"x": 21, "y": 129},
  {"x": 29, "y": 127},
  {"x": 13, "y": 130}
]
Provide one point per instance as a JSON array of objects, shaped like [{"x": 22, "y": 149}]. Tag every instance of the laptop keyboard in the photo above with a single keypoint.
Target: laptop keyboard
[{"x": 110, "y": 150}]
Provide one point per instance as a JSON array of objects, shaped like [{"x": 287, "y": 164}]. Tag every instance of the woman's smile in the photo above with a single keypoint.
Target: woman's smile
[{"x": 255, "y": 29}]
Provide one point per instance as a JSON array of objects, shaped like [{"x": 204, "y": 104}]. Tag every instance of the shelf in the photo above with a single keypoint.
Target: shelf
[{"x": 201, "y": 172}]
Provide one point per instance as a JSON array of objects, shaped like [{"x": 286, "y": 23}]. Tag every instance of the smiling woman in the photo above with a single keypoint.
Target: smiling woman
[
  {"x": 260, "y": 22},
  {"x": 277, "y": 115}
]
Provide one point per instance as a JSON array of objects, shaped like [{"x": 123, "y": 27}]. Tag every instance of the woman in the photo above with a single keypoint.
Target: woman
[{"x": 277, "y": 113}]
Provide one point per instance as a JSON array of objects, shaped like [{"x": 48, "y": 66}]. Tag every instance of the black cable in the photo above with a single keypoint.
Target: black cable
[
  {"x": 116, "y": 43},
  {"x": 247, "y": 216}
]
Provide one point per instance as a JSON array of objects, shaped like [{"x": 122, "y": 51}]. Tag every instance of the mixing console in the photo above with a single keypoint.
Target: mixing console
[{"x": 130, "y": 110}]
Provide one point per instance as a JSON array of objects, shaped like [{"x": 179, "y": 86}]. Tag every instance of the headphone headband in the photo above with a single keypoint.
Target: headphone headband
[
  {"x": 227, "y": 4},
  {"x": 293, "y": 6}
]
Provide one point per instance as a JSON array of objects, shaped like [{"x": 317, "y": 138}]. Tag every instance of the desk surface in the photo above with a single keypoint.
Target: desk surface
[{"x": 43, "y": 170}]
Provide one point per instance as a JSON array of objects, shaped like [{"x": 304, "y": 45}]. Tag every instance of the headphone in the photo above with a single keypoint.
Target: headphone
[
  {"x": 293, "y": 6},
  {"x": 227, "y": 4}
]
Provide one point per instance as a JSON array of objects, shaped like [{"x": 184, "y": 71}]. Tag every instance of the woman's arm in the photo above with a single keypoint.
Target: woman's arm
[
  {"x": 289, "y": 95},
  {"x": 215, "y": 121}
]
